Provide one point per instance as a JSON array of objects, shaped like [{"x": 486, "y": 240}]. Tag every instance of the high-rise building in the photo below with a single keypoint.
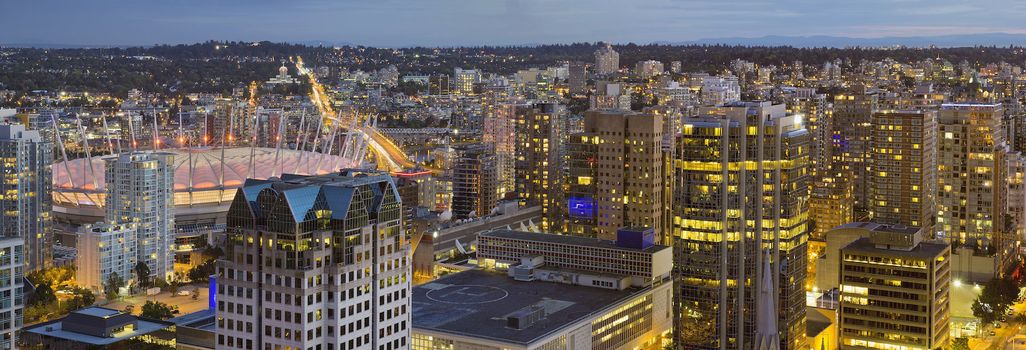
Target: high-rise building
[
  {"x": 500, "y": 122},
  {"x": 41, "y": 120},
  {"x": 25, "y": 223},
  {"x": 609, "y": 95},
  {"x": 315, "y": 262},
  {"x": 720, "y": 90},
  {"x": 1015, "y": 199},
  {"x": 831, "y": 203},
  {"x": 474, "y": 181},
  {"x": 895, "y": 291},
  {"x": 970, "y": 198},
  {"x": 672, "y": 117},
  {"x": 648, "y": 69},
  {"x": 675, "y": 67},
  {"x": 616, "y": 174},
  {"x": 409, "y": 192},
  {"x": 464, "y": 80},
  {"x": 540, "y": 159},
  {"x": 103, "y": 249},
  {"x": 140, "y": 193},
  {"x": 26, "y": 192},
  {"x": 904, "y": 177},
  {"x": 817, "y": 114},
  {"x": 852, "y": 114},
  {"x": 741, "y": 193},
  {"x": 269, "y": 128},
  {"x": 607, "y": 60},
  {"x": 577, "y": 77}
]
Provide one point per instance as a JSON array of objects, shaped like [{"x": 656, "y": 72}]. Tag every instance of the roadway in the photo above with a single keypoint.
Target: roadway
[
  {"x": 387, "y": 154},
  {"x": 1001, "y": 337}
]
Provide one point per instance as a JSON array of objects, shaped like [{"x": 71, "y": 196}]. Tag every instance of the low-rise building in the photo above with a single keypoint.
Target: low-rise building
[
  {"x": 196, "y": 331},
  {"x": 633, "y": 254},
  {"x": 99, "y": 328},
  {"x": 559, "y": 292},
  {"x": 895, "y": 291}
]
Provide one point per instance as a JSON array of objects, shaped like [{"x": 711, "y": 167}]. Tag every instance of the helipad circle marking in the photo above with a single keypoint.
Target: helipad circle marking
[{"x": 467, "y": 294}]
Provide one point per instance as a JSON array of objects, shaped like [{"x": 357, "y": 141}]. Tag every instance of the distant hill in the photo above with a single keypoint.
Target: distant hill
[
  {"x": 63, "y": 46},
  {"x": 960, "y": 40}
]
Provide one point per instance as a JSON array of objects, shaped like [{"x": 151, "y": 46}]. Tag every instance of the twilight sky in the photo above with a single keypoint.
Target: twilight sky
[{"x": 394, "y": 23}]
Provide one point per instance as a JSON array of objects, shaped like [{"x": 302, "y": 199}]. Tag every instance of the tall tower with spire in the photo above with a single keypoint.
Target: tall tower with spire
[{"x": 740, "y": 191}]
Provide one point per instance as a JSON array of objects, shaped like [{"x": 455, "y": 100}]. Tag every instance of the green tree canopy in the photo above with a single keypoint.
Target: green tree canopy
[
  {"x": 112, "y": 284},
  {"x": 997, "y": 297},
  {"x": 43, "y": 295},
  {"x": 142, "y": 273},
  {"x": 158, "y": 310}
]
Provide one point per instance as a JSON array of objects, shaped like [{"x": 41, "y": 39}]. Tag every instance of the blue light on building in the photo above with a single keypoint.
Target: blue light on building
[
  {"x": 581, "y": 207},
  {"x": 212, "y": 293}
]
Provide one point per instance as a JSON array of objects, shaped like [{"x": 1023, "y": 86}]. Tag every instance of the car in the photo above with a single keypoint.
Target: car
[
  {"x": 183, "y": 293},
  {"x": 993, "y": 333}
]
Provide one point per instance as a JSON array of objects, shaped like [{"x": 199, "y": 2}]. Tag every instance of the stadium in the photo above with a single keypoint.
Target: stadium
[{"x": 206, "y": 180}]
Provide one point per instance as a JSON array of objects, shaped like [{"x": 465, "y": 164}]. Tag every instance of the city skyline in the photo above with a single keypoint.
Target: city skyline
[
  {"x": 270, "y": 191},
  {"x": 512, "y": 22}
]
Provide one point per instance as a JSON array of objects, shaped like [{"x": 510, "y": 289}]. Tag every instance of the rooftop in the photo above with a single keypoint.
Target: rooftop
[
  {"x": 924, "y": 250},
  {"x": 197, "y": 169},
  {"x": 879, "y": 227},
  {"x": 567, "y": 239},
  {"x": 56, "y": 329},
  {"x": 304, "y": 197},
  {"x": 99, "y": 312},
  {"x": 816, "y": 323},
  {"x": 476, "y": 303},
  {"x": 203, "y": 319}
]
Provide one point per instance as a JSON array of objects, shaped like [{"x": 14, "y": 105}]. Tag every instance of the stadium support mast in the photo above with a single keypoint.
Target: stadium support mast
[{"x": 64, "y": 153}]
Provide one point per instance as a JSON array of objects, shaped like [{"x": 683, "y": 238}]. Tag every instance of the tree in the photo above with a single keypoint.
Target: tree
[
  {"x": 173, "y": 285},
  {"x": 83, "y": 297},
  {"x": 984, "y": 311},
  {"x": 202, "y": 272},
  {"x": 43, "y": 295},
  {"x": 158, "y": 310},
  {"x": 112, "y": 285},
  {"x": 997, "y": 297},
  {"x": 56, "y": 276},
  {"x": 142, "y": 273}
]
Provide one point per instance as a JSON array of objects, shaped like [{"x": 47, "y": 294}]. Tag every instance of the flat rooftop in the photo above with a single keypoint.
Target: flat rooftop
[
  {"x": 98, "y": 312},
  {"x": 879, "y": 227},
  {"x": 475, "y": 303},
  {"x": 815, "y": 323},
  {"x": 55, "y": 329},
  {"x": 924, "y": 250},
  {"x": 567, "y": 239},
  {"x": 203, "y": 319}
]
